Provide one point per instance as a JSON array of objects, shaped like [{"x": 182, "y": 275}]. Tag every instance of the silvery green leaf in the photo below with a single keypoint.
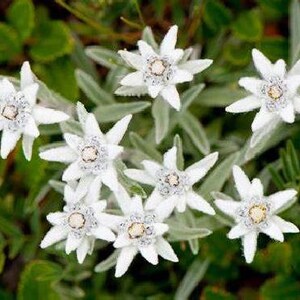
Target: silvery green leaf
[
  {"x": 108, "y": 263},
  {"x": 160, "y": 113},
  {"x": 186, "y": 55},
  {"x": 295, "y": 30},
  {"x": 190, "y": 95},
  {"x": 209, "y": 222},
  {"x": 222, "y": 196},
  {"x": 191, "y": 279},
  {"x": 191, "y": 125},
  {"x": 144, "y": 147},
  {"x": 114, "y": 112},
  {"x": 180, "y": 159},
  {"x": 103, "y": 56},
  {"x": 148, "y": 37},
  {"x": 114, "y": 77},
  {"x": 92, "y": 89},
  {"x": 51, "y": 146},
  {"x": 71, "y": 126},
  {"x": 49, "y": 129},
  {"x": 82, "y": 113},
  {"x": 58, "y": 186}
]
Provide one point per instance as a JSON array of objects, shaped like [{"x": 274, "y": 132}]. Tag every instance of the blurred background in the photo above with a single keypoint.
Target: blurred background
[{"x": 52, "y": 35}]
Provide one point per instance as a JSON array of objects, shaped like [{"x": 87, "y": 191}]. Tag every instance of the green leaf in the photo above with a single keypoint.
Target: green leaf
[
  {"x": 21, "y": 16},
  {"x": 114, "y": 112},
  {"x": 195, "y": 131},
  {"x": 9, "y": 43},
  {"x": 190, "y": 95},
  {"x": 191, "y": 279},
  {"x": 106, "y": 58},
  {"x": 180, "y": 159},
  {"x": 160, "y": 113},
  {"x": 58, "y": 186},
  {"x": 92, "y": 89},
  {"x": 148, "y": 37},
  {"x": 248, "y": 26},
  {"x": 52, "y": 39},
  {"x": 295, "y": 31},
  {"x": 108, "y": 263}
]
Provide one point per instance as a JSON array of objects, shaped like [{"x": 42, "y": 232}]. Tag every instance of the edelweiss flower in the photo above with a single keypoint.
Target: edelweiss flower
[
  {"x": 174, "y": 187},
  {"x": 81, "y": 223},
  {"x": 256, "y": 213},
  {"x": 20, "y": 115},
  {"x": 159, "y": 71},
  {"x": 92, "y": 155},
  {"x": 275, "y": 94},
  {"x": 139, "y": 231}
]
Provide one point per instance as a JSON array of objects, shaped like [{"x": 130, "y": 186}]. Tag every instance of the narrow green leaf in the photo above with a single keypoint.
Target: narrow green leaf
[
  {"x": 148, "y": 37},
  {"x": 108, "y": 263},
  {"x": 180, "y": 159},
  {"x": 58, "y": 186},
  {"x": 295, "y": 31},
  {"x": 160, "y": 113},
  {"x": 190, "y": 95}
]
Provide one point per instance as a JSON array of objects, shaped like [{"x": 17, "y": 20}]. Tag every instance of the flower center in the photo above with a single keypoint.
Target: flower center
[
  {"x": 76, "y": 220},
  {"x": 172, "y": 179},
  {"x": 274, "y": 92},
  {"x": 258, "y": 213},
  {"x": 136, "y": 230},
  {"x": 157, "y": 67},
  {"x": 10, "y": 112},
  {"x": 89, "y": 154}
]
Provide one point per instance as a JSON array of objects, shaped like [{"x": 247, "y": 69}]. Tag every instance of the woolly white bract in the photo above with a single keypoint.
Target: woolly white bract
[
  {"x": 275, "y": 94},
  {"x": 173, "y": 187},
  {"x": 158, "y": 71},
  {"x": 20, "y": 115},
  {"x": 256, "y": 213}
]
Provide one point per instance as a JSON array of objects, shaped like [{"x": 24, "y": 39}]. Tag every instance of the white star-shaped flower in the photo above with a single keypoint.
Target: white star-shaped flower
[
  {"x": 139, "y": 231},
  {"x": 92, "y": 155},
  {"x": 81, "y": 223},
  {"x": 173, "y": 187},
  {"x": 158, "y": 72},
  {"x": 275, "y": 94},
  {"x": 21, "y": 115},
  {"x": 256, "y": 213}
]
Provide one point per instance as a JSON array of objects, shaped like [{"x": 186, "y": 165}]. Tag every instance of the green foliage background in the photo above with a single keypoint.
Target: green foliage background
[{"x": 52, "y": 35}]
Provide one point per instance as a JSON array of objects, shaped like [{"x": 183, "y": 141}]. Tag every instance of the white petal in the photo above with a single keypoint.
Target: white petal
[
  {"x": 151, "y": 167},
  {"x": 125, "y": 258},
  {"x": 262, "y": 64},
  {"x": 9, "y": 141},
  {"x": 160, "y": 228},
  {"x": 103, "y": 233},
  {"x": 61, "y": 154},
  {"x": 170, "y": 159},
  {"x": 154, "y": 90},
  {"x": 31, "y": 128},
  {"x": 133, "y": 79},
  {"x": 136, "y": 205},
  {"x": 45, "y": 115},
  {"x": 175, "y": 55},
  {"x": 122, "y": 240},
  {"x": 54, "y": 235},
  {"x": 237, "y": 231},
  {"x": 30, "y": 93},
  {"x": 140, "y": 176},
  {"x": 273, "y": 231},
  {"x": 69, "y": 194},
  {"x": 73, "y": 172},
  {"x": 181, "y": 76},
  {"x": 115, "y": 134},
  {"x": 82, "y": 250},
  {"x": 295, "y": 70},
  {"x": 72, "y": 243},
  {"x": 92, "y": 127},
  {"x": 242, "y": 182},
  {"x": 132, "y": 59},
  {"x": 27, "y": 144},
  {"x": 244, "y": 105},
  {"x": 250, "y": 244},
  {"x": 150, "y": 254},
  {"x": 262, "y": 118},
  {"x": 153, "y": 200},
  {"x": 98, "y": 206},
  {"x": 114, "y": 151},
  {"x": 73, "y": 140},
  {"x": 251, "y": 84},
  {"x": 111, "y": 221},
  {"x": 93, "y": 190},
  {"x": 170, "y": 94},
  {"x": 123, "y": 200},
  {"x": 169, "y": 41},
  {"x": 145, "y": 49},
  {"x": 56, "y": 218},
  {"x": 195, "y": 201},
  {"x": 284, "y": 226},
  {"x": 181, "y": 204},
  {"x": 293, "y": 83},
  {"x": 257, "y": 188},
  {"x": 85, "y": 184},
  {"x": 287, "y": 114},
  {"x": 165, "y": 250},
  {"x": 110, "y": 179},
  {"x": 164, "y": 208},
  {"x": 196, "y": 66},
  {"x": 279, "y": 68},
  {"x": 131, "y": 91},
  {"x": 26, "y": 75},
  {"x": 227, "y": 207},
  {"x": 297, "y": 104},
  {"x": 6, "y": 88},
  {"x": 281, "y": 198}
]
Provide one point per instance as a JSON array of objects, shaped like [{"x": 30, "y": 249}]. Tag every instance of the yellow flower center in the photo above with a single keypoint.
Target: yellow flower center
[
  {"x": 10, "y": 112},
  {"x": 158, "y": 67},
  {"x": 136, "y": 230},
  {"x": 89, "y": 154},
  {"x": 172, "y": 179},
  {"x": 76, "y": 220},
  {"x": 258, "y": 213},
  {"x": 274, "y": 92}
]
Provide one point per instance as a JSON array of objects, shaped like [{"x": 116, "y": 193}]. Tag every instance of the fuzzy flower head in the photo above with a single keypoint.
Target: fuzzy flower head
[
  {"x": 81, "y": 222},
  {"x": 21, "y": 115},
  {"x": 158, "y": 71},
  {"x": 140, "y": 231},
  {"x": 256, "y": 213},
  {"x": 275, "y": 94},
  {"x": 91, "y": 155},
  {"x": 173, "y": 187}
]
